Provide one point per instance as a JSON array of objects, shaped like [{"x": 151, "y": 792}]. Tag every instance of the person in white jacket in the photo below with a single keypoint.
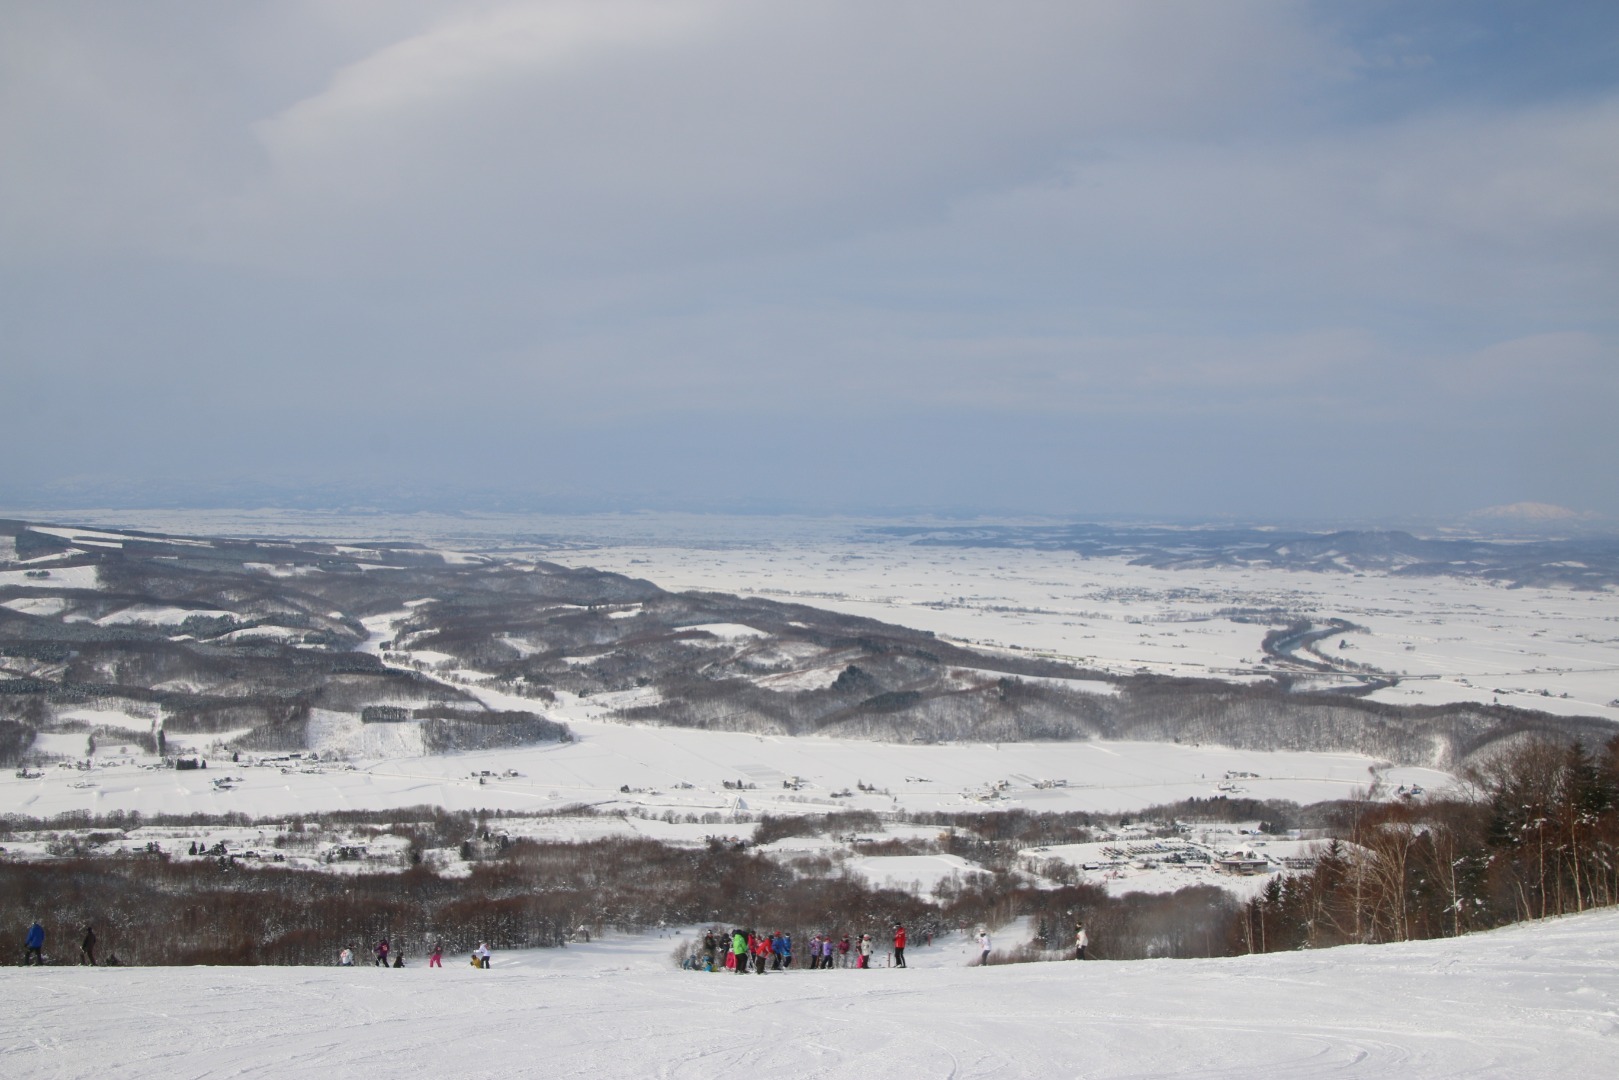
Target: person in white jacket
[
  {"x": 1081, "y": 941},
  {"x": 983, "y": 946}
]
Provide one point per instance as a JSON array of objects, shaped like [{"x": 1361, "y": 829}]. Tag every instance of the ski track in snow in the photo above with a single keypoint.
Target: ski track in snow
[{"x": 1538, "y": 1000}]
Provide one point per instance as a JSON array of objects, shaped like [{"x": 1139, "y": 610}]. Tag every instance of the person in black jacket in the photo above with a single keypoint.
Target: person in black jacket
[{"x": 87, "y": 949}]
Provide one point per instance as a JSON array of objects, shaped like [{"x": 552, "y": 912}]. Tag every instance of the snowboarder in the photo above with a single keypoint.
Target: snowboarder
[
  {"x": 1081, "y": 941},
  {"x": 34, "y": 945},
  {"x": 983, "y": 946},
  {"x": 899, "y": 945},
  {"x": 87, "y": 948}
]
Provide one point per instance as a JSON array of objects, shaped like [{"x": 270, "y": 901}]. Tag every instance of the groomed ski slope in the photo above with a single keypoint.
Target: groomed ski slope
[{"x": 1530, "y": 1001}]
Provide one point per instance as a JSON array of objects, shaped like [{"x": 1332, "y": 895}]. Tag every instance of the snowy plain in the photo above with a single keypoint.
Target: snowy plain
[
  {"x": 1531, "y": 1001},
  {"x": 685, "y": 771}
]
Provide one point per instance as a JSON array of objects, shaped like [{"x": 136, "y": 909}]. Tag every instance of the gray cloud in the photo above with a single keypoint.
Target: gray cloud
[{"x": 626, "y": 248}]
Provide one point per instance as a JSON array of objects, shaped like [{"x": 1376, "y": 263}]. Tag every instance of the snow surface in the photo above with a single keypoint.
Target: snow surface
[
  {"x": 154, "y": 615},
  {"x": 919, "y": 874},
  {"x": 729, "y": 631},
  {"x": 70, "y": 577},
  {"x": 653, "y": 761},
  {"x": 37, "y": 605},
  {"x": 1531, "y": 1001}
]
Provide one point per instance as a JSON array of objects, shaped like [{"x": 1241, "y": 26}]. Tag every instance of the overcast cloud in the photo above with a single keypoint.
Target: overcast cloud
[{"x": 1265, "y": 259}]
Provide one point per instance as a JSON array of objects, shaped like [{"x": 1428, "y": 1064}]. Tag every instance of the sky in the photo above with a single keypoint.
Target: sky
[{"x": 1259, "y": 259}]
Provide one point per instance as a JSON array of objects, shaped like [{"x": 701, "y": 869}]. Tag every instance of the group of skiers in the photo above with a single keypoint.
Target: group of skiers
[
  {"x": 435, "y": 957},
  {"x": 745, "y": 950},
  {"x": 34, "y": 946},
  {"x": 740, "y": 951}
]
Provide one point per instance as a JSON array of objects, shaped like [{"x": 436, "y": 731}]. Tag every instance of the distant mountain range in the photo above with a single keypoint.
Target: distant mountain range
[{"x": 1587, "y": 561}]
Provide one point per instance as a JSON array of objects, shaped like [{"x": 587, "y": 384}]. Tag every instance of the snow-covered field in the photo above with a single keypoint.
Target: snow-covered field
[
  {"x": 1454, "y": 639},
  {"x": 685, "y": 771},
  {"x": 1531, "y": 1001}
]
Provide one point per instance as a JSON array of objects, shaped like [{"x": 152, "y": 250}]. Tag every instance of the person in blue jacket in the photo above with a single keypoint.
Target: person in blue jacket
[{"x": 35, "y": 945}]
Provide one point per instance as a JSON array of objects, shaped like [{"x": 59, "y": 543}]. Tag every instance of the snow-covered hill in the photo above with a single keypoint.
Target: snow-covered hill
[{"x": 1535, "y": 1000}]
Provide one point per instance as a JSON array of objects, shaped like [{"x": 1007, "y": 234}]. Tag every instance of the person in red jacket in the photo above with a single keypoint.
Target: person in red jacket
[
  {"x": 761, "y": 952},
  {"x": 899, "y": 945}
]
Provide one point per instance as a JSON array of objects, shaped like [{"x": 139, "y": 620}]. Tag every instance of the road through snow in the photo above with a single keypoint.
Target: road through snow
[{"x": 1530, "y": 1001}]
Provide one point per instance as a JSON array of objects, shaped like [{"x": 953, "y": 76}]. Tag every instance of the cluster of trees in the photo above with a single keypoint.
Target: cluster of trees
[{"x": 1540, "y": 837}]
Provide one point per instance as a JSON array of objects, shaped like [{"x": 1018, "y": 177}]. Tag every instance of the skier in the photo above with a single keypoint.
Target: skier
[
  {"x": 346, "y": 957},
  {"x": 482, "y": 955},
  {"x": 843, "y": 951},
  {"x": 983, "y": 946},
  {"x": 87, "y": 948},
  {"x": 899, "y": 945},
  {"x": 1081, "y": 940},
  {"x": 739, "y": 952},
  {"x": 34, "y": 945},
  {"x": 382, "y": 954},
  {"x": 710, "y": 948},
  {"x": 865, "y": 951},
  {"x": 436, "y": 958}
]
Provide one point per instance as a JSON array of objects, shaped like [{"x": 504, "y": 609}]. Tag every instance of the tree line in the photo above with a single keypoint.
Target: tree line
[{"x": 1537, "y": 836}]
